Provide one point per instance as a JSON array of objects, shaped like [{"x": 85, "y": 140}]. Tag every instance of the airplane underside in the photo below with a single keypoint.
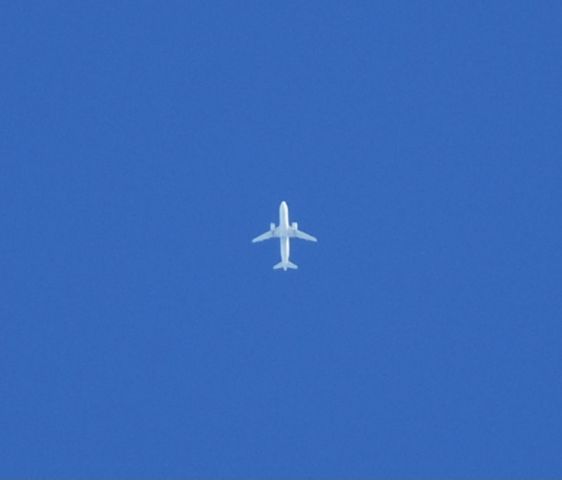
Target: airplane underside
[{"x": 285, "y": 231}]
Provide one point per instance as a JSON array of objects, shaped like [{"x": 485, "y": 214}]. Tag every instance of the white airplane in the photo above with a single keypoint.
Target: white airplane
[{"x": 284, "y": 232}]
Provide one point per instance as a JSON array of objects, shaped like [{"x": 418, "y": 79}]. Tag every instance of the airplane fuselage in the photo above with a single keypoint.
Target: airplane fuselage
[
  {"x": 284, "y": 232},
  {"x": 284, "y": 216}
]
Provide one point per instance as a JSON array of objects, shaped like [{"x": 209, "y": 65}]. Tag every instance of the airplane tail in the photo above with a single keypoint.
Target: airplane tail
[{"x": 285, "y": 266}]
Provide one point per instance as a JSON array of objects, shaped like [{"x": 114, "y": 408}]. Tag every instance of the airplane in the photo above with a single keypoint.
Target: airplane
[{"x": 284, "y": 232}]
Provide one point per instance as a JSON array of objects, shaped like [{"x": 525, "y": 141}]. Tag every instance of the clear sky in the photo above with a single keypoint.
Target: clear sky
[{"x": 142, "y": 146}]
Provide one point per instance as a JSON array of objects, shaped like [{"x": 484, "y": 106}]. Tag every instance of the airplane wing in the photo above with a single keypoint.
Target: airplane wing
[
  {"x": 264, "y": 236},
  {"x": 305, "y": 236}
]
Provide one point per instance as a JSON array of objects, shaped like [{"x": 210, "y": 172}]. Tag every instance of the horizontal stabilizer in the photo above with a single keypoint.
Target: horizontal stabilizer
[{"x": 285, "y": 266}]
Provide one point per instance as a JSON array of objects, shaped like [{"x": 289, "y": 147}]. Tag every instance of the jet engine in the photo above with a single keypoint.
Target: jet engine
[
  {"x": 272, "y": 226},
  {"x": 295, "y": 225}
]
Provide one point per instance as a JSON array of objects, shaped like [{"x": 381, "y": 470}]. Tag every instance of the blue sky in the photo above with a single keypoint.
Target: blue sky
[{"x": 144, "y": 144}]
